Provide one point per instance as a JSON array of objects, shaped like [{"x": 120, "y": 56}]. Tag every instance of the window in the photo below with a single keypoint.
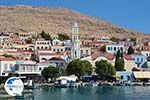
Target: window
[
  {"x": 86, "y": 52},
  {"x": 40, "y": 69},
  {"x": 137, "y": 59},
  {"x": 81, "y": 52},
  {"x": 128, "y": 77},
  {"x": 114, "y": 48},
  {"x": 23, "y": 68},
  {"x": 57, "y": 50},
  {"x": 121, "y": 48},
  {"x": 54, "y": 50},
  {"x": 3, "y": 73},
  {"x": 141, "y": 59},
  {"x": 111, "y": 48},
  {"x": 5, "y": 66},
  {"x": 122, "y": 77},
  {"x": 62, "y": 64},
  {"x": 108, "y": 48},
  {"x": 10, "y": 66}
]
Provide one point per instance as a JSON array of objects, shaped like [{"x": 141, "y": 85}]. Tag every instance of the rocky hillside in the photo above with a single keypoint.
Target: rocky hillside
[{"x": 57, "y": 20}]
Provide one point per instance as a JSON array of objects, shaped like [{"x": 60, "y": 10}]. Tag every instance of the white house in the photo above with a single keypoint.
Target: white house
[
  {"x": 42, "y": 44},
  {"x": 146, "y": 53},
  {"x": 113, "y": 48},
  {"x": 6, "y": 65}
]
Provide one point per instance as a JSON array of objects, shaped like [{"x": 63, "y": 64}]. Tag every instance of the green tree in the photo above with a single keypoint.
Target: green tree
[
  {"x": 8, "y": 56},
  {"x": 114, "y": 39},
  {"x": 130, "y": 50},
  {"x": 29, "y": 40},
  {"x": 104, "y": 69},
  {"x": 51, "y": 72},
  {"x": 63, "y": 37},
  {"x": 133, "y": 39},
  {"x": 79, "y": 67},
  {"x": 45, "y": 35},
  {"x": 119, "y": 61}
]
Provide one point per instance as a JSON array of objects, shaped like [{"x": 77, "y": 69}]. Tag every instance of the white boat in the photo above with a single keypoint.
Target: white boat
[
  {"x": 66, "y": 81},
  {"x": 29, "y": 84}
]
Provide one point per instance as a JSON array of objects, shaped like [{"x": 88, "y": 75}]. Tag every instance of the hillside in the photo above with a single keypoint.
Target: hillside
[{"x": 57, "y": 20}]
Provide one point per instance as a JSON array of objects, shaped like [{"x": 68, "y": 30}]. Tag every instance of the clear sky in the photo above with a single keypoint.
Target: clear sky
[{"x": 132, "y": 14}]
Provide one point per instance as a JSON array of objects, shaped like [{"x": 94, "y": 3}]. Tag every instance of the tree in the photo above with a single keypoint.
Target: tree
[
  {"x": 103, "y": 48},
  {"x": 104, "y": 69},
  {"x": 8, "y": 56},
  {"x": 45, "y": 35},
  {"x": 133, "y": 39},
  {"x": 79, "y": 67},
  {"x": 119, "y": 61},
  {"x": 50, "y": 72},
  {"x": 130, "y": 50},
  {"x": 114, "y": 39},
  {"x": 29, "y": 40},
  {"x": 63, "y": 37}
]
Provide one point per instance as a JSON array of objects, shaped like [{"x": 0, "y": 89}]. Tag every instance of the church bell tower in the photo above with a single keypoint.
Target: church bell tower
[{"x": 75, "y": 50}]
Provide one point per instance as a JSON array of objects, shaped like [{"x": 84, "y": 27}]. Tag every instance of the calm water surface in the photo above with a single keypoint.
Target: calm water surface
[{"x": 91, "y": 93}]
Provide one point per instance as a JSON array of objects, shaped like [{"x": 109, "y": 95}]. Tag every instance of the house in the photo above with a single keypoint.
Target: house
[
  {"x": 103, "y": 39},
  {"x": 97, "y": 56},
  {"x": 129, "y": 63},
  {"x": 145, "y": 53},
  {"x": 42, "y": 44},
  {"x": 113, "y": 48},
  {"x": 139, "y": 59},
  {"x": 6, "y": 65},
  {"x": 143, "y": 76},
  {"x": 85, "y": 51},
  {"x": 124, "y": 76},
  {"x": 26, "y": 68},
  {"x": 4, "y": 37},
  {"x": 126, "y": 43}
]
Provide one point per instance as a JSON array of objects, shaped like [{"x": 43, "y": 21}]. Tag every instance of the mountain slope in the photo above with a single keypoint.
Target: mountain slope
[{"x": 57, "y": 20}]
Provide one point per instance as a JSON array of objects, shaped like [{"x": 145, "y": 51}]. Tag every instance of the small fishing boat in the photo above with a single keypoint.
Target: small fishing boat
[{"x": 29, "y": 84}]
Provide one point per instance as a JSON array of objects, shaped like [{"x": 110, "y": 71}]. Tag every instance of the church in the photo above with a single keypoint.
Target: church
[{"x": 77, "y": 49}]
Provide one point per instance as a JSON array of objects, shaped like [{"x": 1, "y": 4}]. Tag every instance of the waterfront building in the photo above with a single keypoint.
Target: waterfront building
[
  {"x": 143, "y": 76},
  {"x": 125, "y": 76},
  {"x": 6, "y": 65},
  {"x": 26, "y": 68}
]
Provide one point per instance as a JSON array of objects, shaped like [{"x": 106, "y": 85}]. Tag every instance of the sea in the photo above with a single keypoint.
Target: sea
[{"x": 88, "y": 93}]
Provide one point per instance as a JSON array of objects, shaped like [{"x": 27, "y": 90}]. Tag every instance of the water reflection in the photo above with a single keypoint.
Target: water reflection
[{"x": 88, "y": 93}]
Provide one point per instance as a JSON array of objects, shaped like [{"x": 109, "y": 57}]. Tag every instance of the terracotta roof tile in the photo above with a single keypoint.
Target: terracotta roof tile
[{"x": 103, "y": 54}]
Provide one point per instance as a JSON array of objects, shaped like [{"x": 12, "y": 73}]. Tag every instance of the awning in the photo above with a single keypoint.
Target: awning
[{"x": 141, "y": 74}]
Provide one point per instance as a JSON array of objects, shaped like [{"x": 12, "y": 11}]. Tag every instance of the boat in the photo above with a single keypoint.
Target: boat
[
  {"x": 66, "y": 81},
  {"x": 29, "y": 84},
  {"x": 93, "y": 84}
]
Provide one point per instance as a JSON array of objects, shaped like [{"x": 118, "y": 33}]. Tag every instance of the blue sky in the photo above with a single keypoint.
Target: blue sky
[{"x": 132, "y": 14}]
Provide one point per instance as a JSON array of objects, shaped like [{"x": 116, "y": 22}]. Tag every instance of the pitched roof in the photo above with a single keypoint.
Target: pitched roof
[{"x": 109, "y": 56}]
